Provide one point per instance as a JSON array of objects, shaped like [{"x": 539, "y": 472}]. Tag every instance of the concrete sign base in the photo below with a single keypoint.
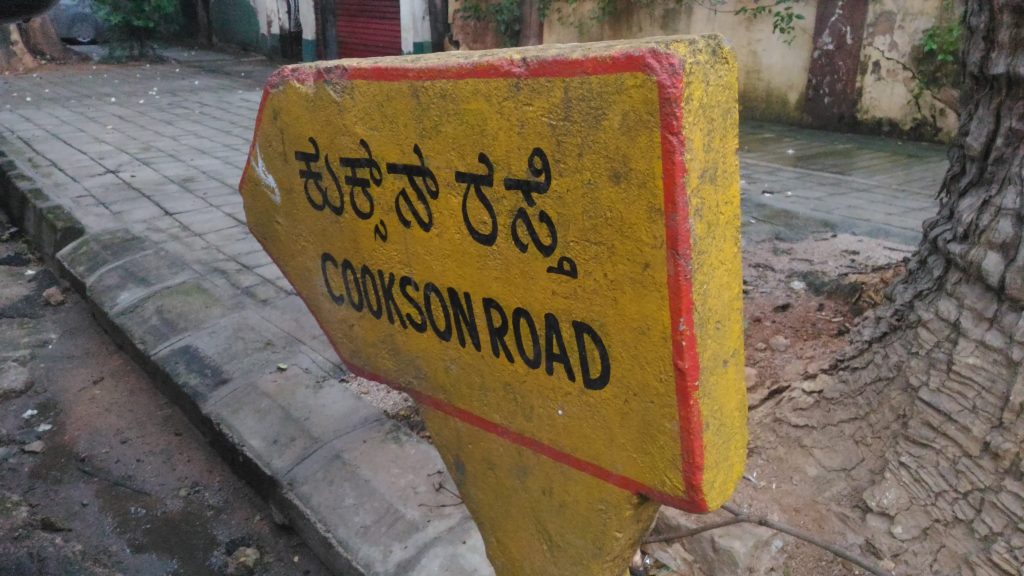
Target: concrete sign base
[{"x": 541, "y": 246}]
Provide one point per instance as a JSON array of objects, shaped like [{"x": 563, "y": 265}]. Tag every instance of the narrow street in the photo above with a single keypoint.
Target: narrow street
[{"x": 99, "y": 473}]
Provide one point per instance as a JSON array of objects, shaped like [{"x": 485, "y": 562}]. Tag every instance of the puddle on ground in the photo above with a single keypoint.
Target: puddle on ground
[
  {"x": 182, "y": 537},
  {"x": 15, "y": 260}
]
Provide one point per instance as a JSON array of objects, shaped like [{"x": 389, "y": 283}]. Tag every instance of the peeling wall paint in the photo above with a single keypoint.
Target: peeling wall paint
[
  {"x": 877, "y": 91},
  {"x": 469, "y": 35},
  {"x": 775, "y": 76},
  {"x": 307, "y": 17},
  {"x": 890, "y": 97},
  {"x": 259, "y": 24},
  {"x": 835, "y": 63}
]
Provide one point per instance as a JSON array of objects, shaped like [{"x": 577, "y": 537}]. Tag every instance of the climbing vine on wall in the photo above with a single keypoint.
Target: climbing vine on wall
[
  {"x": 938, "y": 54},
  {"x": 507, "y": 16}
]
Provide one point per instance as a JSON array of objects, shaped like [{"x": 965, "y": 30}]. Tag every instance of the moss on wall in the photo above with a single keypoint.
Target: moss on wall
[
  {"x": 235, "y": 22},
  {"x": 763, "y": 103}
]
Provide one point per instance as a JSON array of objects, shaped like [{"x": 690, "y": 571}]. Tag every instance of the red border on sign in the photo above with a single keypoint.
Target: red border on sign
[{"x": 666, "y": 70}]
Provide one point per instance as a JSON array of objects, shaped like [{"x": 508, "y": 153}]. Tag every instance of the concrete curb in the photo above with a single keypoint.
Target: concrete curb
[
  {"x": 357, "y": 486},
  {"x": 796, "y": 223},
  {"x": 48, "y": 225}
]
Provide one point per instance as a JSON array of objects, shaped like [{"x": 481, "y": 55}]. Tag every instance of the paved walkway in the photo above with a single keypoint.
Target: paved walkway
[
  {"x": 148, "y": 159},
  {"x": 160, "y": 149},
  {"x": 157, "y": 148},
  {"x": 866, "y": 185}
]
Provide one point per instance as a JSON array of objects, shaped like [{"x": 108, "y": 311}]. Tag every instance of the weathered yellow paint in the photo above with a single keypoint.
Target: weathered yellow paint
[
  {"x": 712, "y": 184},
  {"x": 538, "y": 517},
  {"x": 549, "y": 468}
]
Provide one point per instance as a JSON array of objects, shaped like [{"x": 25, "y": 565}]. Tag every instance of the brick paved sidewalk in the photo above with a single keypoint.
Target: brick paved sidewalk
[
  {"x": 160, "y": 148},
  {"x": 866, "y": 185}
]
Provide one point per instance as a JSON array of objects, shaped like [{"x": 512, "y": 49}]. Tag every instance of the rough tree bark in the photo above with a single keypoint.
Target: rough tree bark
[
  {"x": 531, "y": 30},
  {"x": 943, "y": 367},
  {"x": 14, "y": 55},
  {"x": 204, "y": 31},
  {"x": 42, "y": 40},
  {"x": 22, "y": 46}
]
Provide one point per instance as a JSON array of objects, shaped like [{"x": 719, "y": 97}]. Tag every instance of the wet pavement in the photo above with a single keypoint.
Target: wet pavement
[
  {"x": 99, "y": 473},
  {"x": 816, "y": 180}
]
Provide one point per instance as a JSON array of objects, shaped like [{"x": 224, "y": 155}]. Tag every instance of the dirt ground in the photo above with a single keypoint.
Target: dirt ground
[
  {"x": 99, "y": 474},
  {"x": 801, "y": 298}
]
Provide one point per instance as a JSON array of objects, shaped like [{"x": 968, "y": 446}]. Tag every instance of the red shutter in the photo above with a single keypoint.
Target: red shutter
[{"x": 368, "y": 28}]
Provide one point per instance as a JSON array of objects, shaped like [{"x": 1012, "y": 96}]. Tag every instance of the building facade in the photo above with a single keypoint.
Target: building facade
[
  {"x": 310, "y": 30},
  {"x": 847, "y": 64}
]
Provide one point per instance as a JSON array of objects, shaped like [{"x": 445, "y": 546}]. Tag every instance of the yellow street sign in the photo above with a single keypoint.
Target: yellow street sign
[{"x": 541, "y": 246}]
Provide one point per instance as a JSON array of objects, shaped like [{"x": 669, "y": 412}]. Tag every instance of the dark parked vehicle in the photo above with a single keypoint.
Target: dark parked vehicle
[{"x": 75, "y": 20}]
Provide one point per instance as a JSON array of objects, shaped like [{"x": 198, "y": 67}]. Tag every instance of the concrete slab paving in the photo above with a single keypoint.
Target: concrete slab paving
[
  {"x": 140, "y": 164},
  {"x": 366, "y": 500}
]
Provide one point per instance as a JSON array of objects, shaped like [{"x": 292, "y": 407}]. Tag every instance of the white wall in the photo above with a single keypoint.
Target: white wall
[
  {"x": 307, "y": 15},
  {"x": 415, "y": 24}
]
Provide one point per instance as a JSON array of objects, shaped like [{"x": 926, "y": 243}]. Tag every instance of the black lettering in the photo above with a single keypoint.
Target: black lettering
[
  {"x": 339, "y": 208},
  {"x": 424, "y": 185},
  {"x": 368, "y": 279},
  {"x": 325, "y": 259},
  {"x": 519, "y": 317},
  {"x": 387, "y": 289},
  {"x": 311, "y": 176},
  {"x": 430, "y": 289},
  {"x": 497, "y": 331},
  {"x": 477, "y": 182},
  {"x": 553, "y": 338},
  {"x": 348, "y": 270},
  {"x": 404, "y": 284},
  {"x": 360, "y": 183},
  {"x": 545, "y": 248},
  {"x": 380, "y": 231},
  {"x": 539, "y": 167},
  {"x": 583, "y": 333},
  {"x": 566, "y": 267},
  {"x": 464, "y": 316}
]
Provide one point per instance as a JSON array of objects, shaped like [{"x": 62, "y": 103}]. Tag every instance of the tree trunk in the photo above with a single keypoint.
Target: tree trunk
[
  {"x": 41, "y": 39},
  {"x": 14, "y": 55},
  {"x": 23, "y": 45},
  {"x": 204, "y": 32},
  {"x": 531, "y": 28},
  {"x": 953, "y": 488},
  {"x": 437, "y": 11}
]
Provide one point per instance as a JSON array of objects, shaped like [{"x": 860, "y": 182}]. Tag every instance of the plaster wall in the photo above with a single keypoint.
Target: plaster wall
[
  {"x": 890, "y": 94},
  {"x": 415, "y": 26},
  {"x": 258, "y": 24},
  {"x": 773, "y": 74}
]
